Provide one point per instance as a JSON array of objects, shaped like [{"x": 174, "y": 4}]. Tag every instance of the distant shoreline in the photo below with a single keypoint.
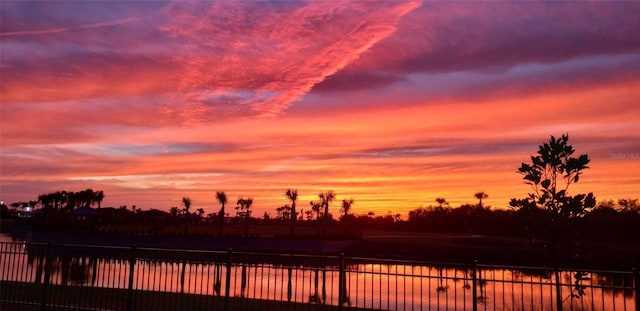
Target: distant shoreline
[{"x": 211, "y": 243}]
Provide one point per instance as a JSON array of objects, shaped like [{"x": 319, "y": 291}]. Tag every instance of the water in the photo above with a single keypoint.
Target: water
[{"x": 388, "y": 285}]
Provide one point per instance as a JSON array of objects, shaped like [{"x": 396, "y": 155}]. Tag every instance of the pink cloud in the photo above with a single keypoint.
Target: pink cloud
[
  {"x": 208, "y": 62},
  {"x": 280, "y": 57}
]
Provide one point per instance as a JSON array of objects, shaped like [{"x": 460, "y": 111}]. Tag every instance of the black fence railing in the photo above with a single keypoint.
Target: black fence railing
[{"x": 72, "y": 277}]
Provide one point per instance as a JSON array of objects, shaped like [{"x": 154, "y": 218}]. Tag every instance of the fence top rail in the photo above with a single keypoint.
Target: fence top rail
[
  {"x": 159, "y": 249},
  {"x": 408, "y": 262},
  {"x": 43, "y": 244},
  {"x": 543, "y": 268}
]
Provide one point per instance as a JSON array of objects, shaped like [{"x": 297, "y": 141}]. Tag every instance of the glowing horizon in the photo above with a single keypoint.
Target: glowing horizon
[{"x": 392, "y": 104}]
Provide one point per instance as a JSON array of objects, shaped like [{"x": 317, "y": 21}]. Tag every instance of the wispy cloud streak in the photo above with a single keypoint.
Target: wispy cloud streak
[
  {"x": 66, "y": 29},
  {"x": 279, "y": 58}
]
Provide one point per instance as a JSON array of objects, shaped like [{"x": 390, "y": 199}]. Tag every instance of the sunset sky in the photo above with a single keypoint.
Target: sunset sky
[{"x": 390, "y": 103}]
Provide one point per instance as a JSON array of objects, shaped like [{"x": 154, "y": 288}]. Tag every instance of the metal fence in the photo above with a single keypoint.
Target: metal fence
[{"x": 51, "y": 277}]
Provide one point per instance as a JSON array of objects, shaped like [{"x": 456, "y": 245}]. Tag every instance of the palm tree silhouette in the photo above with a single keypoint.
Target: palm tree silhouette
[
  {"x": 281, "y": 211},
  {"x": 346, "y": 206},
  {"x": 187, "y": 204},
  {"x": 222, "y": 198},
  {"x": 98, "y": 197},
  {"x": 292, "y": 194},
  {"x": 326, "y": 198},
  {"x": 48, "y": 205},
  {"x": 315, "y": 208},
  {"x": 59, "y": 198},
  {"x": 245, "y": 206},
  {"x": 481, "y": 195},
  {"x": 200, "y": 213}
]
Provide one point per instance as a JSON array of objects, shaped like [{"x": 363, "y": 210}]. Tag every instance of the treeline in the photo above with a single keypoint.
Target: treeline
[
  {"x": 54, "y": 210},
  {"x": 70, "y": 200},
  {"x": 618, "y": 220},
  {"x": 609, "y": 220},
  {"x": 57, "y": 202}
]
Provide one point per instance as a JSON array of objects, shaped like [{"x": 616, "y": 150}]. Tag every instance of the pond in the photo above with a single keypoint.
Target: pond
[{"x": 366, "y": 283}]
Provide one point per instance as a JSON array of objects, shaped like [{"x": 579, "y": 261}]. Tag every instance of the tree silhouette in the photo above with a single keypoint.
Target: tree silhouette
[
  {"x": 480, "y": 195},
  {"x": 59, "y": 198},
  {"x": 59, "y": 203},
  {"x": 316, "y": 207},
  {"x": 47, "y": 201},
  {"x": 222, "y": 198},
  {"x": 98, "y": 197},
  {"x": 187, "y": 204},
  {"x": 441, "y": 202},
  {"x": 245, "y": 208},
  {"x": 326, "y": 198},
  {"x": 629, "y": 205},
  {"x": 550, "y": 174},
  {"x": 173, "y": 211},
  {"x": 200, "y": 212},
  {"x": 86, "y": 197},
  {"x": 283, "y": 212},
  {"x": 292, "y": 194},
  {"x": 346, "y": 206}
]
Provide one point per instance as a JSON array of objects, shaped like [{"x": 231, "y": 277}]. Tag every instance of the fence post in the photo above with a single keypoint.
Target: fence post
[
  {"x": 558, "y": 289},
  {"x": 474, "y": 283},
  {"x": 342, "y": 290},
  {"x": 227, "y": 286},
  {"x": 47, "y": 276},
  {"x": 289, "y": 287},
  {"x": 636, "y": 286},
  {"x": 132, "y": 263}
]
